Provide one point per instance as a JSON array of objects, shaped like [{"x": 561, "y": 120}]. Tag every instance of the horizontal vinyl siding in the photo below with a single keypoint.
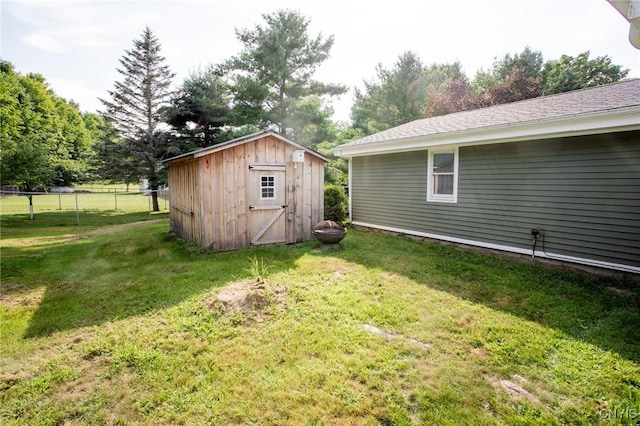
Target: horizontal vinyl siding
[{"x": 583, "y": 191}]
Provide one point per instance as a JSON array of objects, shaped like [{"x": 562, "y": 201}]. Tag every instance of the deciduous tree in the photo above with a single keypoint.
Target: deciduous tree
[
  {"x": 529, "y": 62},
  {"x": 456, "y": 96},
  {"x": 43, "y": 139},
  {"x": 516, "y": 86},
  {"x": 577, "y": 72},
  {"x": 73, "y": 150},
  {"x": 337, "y": 171}
]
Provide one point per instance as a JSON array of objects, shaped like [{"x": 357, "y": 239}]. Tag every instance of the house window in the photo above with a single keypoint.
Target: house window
[
  {"x": 443, "y": 176},
  {"x": 267, "y": 187}
]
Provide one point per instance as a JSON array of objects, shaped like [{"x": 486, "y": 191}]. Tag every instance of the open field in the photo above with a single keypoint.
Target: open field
[
  {"x": 92, "y": 209},
  {"x": 125, "y": 324},
  {"x": 107, "y": 187}
]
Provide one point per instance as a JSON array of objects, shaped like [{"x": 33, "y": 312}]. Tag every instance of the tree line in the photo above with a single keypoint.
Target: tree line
[
  {"x": 46, "y": 140},
  {"x": 411, "y": 90}
]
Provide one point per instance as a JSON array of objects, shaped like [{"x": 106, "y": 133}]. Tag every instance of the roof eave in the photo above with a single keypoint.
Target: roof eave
[
  {"x": 242, "y": 140},
  {"x": 254, "y": 137},
  {"x": 196, "y": 153},
  {"x": 618, "y": 120}
]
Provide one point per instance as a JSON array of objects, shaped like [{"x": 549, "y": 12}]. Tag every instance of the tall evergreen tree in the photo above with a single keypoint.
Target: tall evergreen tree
[
  {"x": 274, "y": 71},
  {"x": 201, "y": 108},
  {"x": 397, "y": 96},
  {"x": 401, "y": 94},
  {"x": 111, "y": 160},
  {"x": 134, "y": 108}
]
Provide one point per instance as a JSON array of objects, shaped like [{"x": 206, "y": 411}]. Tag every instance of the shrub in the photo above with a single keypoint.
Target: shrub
[{"x": 336, "y": 204}]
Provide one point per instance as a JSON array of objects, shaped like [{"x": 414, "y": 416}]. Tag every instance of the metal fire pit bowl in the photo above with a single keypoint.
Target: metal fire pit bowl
[{"x": 329, "y": 232}]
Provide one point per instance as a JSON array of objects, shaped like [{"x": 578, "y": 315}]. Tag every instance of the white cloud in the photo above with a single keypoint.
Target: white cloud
[
  {"x": 62, "y": 26},
  {"x": 46, "y": 41},
  {"x": 82, "y": 93},
  {"x": 62, "y": 41}
]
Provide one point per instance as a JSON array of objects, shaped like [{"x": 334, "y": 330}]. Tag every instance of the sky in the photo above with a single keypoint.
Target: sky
[{"x": 76, "y": 44}]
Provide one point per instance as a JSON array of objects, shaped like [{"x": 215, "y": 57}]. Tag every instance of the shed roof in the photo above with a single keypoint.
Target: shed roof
[
  {"x": 242, "y": 140},
  {"x": 587, "y": 111}
]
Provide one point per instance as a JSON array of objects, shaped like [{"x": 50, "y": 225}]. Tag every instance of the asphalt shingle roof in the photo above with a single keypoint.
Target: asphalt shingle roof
[{"x": 592, "y": 100}]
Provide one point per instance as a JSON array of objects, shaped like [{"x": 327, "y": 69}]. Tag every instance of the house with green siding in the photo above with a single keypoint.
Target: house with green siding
[{"x": 554, "y": 177}]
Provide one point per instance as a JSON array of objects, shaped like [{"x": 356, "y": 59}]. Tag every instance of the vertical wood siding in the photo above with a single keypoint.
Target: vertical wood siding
[
  {"x": 583, "y": 191},
  {"x": 215, "y": 188},
  {"x": 184, "y": 213}
]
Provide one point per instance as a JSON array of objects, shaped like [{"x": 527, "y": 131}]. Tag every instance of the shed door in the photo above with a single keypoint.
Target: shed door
[{"x": 267, "y": 203}]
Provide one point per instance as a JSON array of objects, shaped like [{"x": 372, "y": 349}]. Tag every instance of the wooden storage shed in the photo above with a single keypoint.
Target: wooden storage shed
[{"x": 258, "y": 189}]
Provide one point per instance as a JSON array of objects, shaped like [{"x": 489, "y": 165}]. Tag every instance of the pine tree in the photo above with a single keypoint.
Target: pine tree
[
  {"x": 273, "y": 75},
  {"x": 134, "y": 108},
  {"x": 200, "y": 108}
]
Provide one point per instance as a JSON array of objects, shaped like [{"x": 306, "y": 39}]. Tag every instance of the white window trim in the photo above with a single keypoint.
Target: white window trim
[
  {"x": 442, "y": 198},
  {"x": 275, "y": 195}
]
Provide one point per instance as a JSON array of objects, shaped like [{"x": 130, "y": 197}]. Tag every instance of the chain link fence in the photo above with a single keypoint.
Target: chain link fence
[{"x": 79, "y": 204}]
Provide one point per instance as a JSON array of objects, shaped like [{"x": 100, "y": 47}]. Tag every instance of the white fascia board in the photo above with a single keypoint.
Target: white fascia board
[
  {"x": 510, "y": 249},
  {"x": 585, "y": 124},
  {"x": 630, "y": 9}
]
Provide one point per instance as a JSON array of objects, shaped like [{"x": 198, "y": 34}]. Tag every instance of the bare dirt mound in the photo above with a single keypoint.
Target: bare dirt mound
[{"x": 255, "y": 300}]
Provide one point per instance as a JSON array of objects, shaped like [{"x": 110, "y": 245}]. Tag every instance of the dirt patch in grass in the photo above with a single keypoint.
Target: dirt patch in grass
[
  {"x": 513, "y": 389},
  {"x": 387, "y": 335},
  {"x": 112, "y": 229},
  {"x": 22, "y": 298},
  {"x": 40, "y": 241},
  {"x": 618, "y": 290},
  {"x": 252, "y": 300}
]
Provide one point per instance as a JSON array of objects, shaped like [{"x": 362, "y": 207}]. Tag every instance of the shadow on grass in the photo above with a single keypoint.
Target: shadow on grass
[
  {"x": 104, "y": 276},
  {"x": 135, "y": 270},
  {"x": 601, "y": 310}
]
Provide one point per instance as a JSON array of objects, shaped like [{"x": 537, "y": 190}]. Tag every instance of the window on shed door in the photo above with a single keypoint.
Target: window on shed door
[
  {"x": 267, "y": 187},
  {"x": 443, "y": 176}
]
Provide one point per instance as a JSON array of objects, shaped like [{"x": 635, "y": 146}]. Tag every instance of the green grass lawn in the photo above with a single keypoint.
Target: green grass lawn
[
  {"x": 115, "y": 324},
  {"x": 92, "y": 209}
]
